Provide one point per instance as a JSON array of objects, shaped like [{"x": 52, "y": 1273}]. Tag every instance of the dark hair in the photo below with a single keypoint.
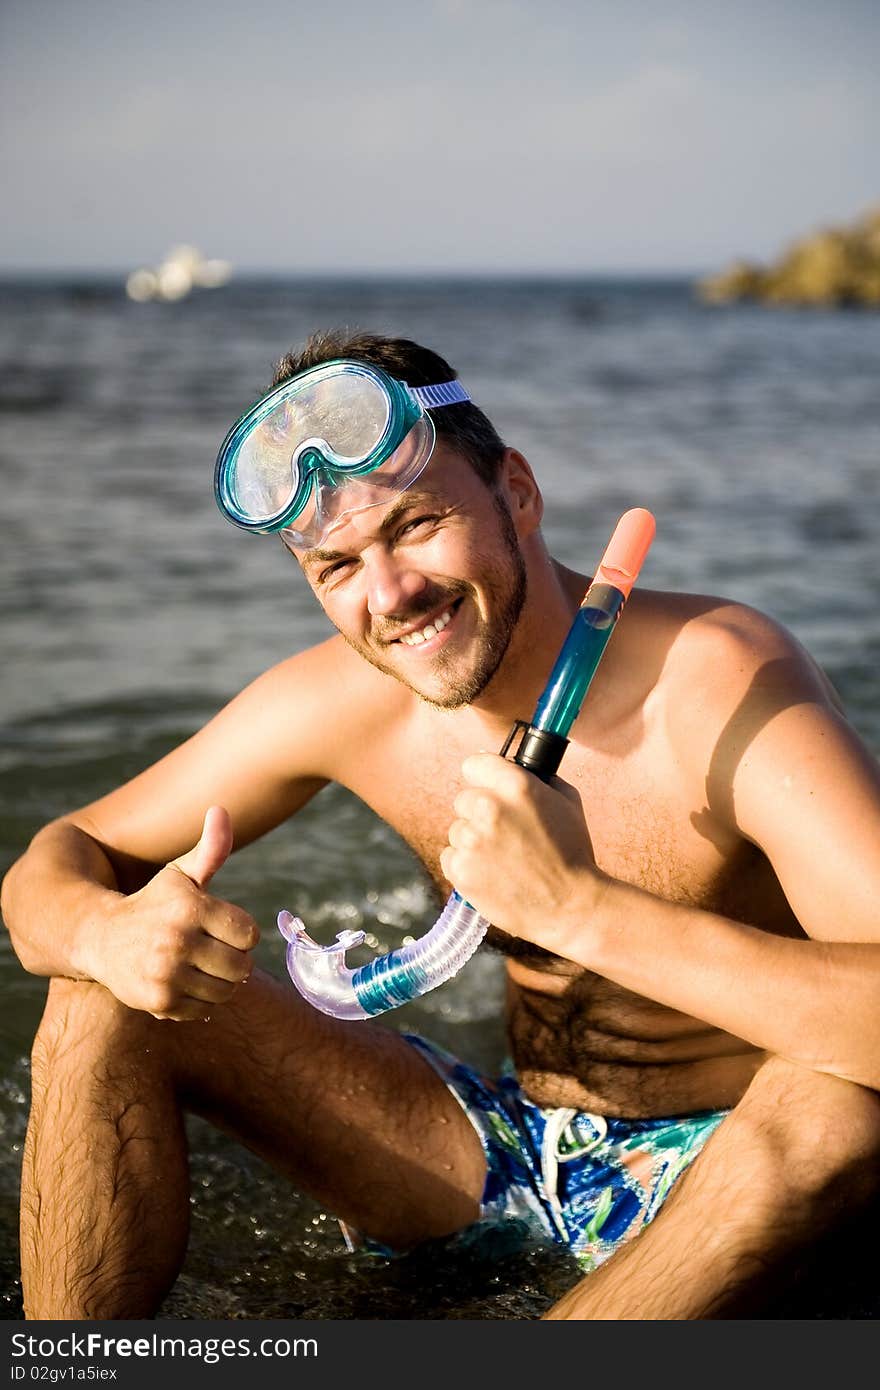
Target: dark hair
[{"x": 462, "y": 426}]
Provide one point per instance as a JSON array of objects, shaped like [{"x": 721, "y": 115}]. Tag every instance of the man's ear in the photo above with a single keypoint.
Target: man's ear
[{"x": 517, "y": 481}]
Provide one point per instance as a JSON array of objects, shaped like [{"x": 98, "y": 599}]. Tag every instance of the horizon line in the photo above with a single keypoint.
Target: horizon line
[{"x": 376, "y": 273}]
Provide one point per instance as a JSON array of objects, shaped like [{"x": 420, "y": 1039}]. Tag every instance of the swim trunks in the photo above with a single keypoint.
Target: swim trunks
[{"x": 584, "y": 1180}]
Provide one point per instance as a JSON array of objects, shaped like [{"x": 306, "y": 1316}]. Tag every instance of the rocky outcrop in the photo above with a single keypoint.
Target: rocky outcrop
[{"x": 836, "y": 266}]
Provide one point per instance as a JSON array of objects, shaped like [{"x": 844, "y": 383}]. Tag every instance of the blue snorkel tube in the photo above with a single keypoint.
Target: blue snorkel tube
[{"x": 319, "y": 972}]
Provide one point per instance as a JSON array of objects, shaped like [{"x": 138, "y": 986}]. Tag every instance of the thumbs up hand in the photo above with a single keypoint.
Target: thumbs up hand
[
  {"x": 212, "y": 851},
  {"x": 171, "y": 949}
]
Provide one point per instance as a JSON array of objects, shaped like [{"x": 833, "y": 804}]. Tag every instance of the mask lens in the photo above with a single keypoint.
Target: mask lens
[
  {"x": 348, "y": 413},
  {"x": 342, "y": 418},
  {"x": 330, "y": 501}
]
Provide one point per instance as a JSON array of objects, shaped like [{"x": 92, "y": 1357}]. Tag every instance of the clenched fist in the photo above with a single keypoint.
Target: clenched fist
[{"x": 520, "y": 852}]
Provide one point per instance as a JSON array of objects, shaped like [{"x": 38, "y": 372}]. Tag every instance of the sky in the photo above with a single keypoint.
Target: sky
[{"x": 435, "y": 136}]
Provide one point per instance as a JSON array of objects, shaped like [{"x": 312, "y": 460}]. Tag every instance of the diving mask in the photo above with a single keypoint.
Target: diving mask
[{"x": 335, "y": 439}]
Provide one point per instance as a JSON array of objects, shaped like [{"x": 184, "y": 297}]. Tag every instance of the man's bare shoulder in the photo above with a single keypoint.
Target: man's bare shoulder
[
  {"x": 333, "y": 671},
  {"x": 729, "y": 647},
  {"x": 297, "y": 726},
  {"x": 726, "y": 664},
  {"x": 332, "y": 692}
]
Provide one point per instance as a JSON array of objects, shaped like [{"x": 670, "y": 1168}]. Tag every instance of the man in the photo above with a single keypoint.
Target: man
[{"x": 689, "y": 917}]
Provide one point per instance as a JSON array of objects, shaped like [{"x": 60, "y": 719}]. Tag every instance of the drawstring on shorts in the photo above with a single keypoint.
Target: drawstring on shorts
[{"x": 551, "y": 1156}]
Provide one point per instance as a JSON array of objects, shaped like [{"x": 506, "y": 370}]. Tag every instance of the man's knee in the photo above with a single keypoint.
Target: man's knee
[
  {"x": 811, "y": 1141},
  {"x": 82, "y": 1026}
]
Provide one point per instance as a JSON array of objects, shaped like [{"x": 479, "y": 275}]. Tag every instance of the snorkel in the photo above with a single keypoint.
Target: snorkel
[{"x": 320, "y": 972}]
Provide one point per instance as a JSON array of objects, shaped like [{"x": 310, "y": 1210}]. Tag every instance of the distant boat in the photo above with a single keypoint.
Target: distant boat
[{"x": 181, "y": 270}]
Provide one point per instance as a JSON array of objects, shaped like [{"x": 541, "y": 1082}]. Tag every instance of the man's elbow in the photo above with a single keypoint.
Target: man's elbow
[
  {"x": 863, "y": 1071},
  {"x": 8, "y": 896},
  {"x": 23, "y": 896}
]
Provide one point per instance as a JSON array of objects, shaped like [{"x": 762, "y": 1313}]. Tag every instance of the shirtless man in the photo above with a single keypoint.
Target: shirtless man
[{"x": 690, "y": 920}]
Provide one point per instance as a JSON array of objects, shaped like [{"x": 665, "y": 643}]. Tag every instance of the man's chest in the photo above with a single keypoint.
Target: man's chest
[{"x": 647, "y": 826}]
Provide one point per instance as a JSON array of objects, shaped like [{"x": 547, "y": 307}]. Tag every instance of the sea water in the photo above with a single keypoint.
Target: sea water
[{"x": 132, "y": 612}]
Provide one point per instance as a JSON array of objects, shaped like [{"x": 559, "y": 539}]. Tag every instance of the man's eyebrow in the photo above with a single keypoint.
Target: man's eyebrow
[
  {"x": 406, "y": 503},
  {"x": 316, "y": 556},
  {"x": 400, "y": 507}
]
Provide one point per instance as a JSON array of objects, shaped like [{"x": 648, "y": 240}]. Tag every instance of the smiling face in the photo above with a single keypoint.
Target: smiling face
[{"x": 429, "y": 589}]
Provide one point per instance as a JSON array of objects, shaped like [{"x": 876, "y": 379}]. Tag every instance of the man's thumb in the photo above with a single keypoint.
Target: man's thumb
[{"x": 213, "y": 849}]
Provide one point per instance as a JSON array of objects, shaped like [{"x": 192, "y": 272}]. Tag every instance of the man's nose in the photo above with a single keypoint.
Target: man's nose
[{"x": 392, "y": 585}]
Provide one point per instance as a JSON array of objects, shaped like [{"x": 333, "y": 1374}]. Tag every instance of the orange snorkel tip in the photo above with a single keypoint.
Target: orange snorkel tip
[{"x": 625, "y": 552}]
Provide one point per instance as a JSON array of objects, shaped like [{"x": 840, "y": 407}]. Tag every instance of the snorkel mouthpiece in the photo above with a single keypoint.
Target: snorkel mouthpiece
[{"x": 319, "y": 972}]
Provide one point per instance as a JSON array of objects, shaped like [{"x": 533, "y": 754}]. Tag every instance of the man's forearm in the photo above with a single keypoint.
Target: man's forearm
[
  {"x": 53, "y": 900},
  {"x": 814, "y": 1002}
]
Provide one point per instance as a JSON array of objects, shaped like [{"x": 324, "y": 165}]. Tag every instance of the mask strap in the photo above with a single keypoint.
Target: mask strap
[{"x": 447, "y": 393}]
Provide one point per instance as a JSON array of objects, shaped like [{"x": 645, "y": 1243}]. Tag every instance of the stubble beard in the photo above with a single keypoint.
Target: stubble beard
[{"x": 505, "y": 585}]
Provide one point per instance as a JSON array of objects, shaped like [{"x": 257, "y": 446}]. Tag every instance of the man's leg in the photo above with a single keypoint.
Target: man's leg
[
  {"x": 797, "y": 1157},
  {"x": 349, "y": 1111}
]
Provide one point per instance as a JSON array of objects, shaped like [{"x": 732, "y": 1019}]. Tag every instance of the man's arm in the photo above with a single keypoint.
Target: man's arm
[
  {"x": 115, "y": 892},
  {"x": 757, "y": 729}
]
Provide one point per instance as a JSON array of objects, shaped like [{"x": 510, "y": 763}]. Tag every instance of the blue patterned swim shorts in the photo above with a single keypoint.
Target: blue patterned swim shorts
[{"x": 581, "y": 1179}]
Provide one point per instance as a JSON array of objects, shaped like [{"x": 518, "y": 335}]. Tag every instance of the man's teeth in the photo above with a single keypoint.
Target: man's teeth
[{"x": 415, "y": 639}]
